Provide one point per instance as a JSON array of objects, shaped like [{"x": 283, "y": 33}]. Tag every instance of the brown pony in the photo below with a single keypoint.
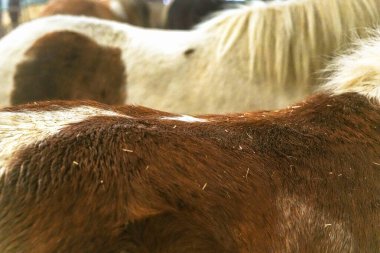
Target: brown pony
[
  {"x": 85, "y": 177},
  {"x": 135, "y": 12}
]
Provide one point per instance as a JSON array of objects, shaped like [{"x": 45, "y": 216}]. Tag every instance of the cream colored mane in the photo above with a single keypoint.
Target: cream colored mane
[
  {"x": 290, "y": 41},
  {"x": 256, "y": 57},
  {"x": 359, "y": 71}
]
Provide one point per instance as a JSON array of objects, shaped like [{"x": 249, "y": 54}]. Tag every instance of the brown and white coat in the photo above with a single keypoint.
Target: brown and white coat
[
  {"x": 231, "y": 63},
  {"x": 86, "y": 177}
]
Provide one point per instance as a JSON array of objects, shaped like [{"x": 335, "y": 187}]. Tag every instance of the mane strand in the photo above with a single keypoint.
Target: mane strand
[
  {"x": 359, "y": 71},
  {"x": 289, "y": 42}
]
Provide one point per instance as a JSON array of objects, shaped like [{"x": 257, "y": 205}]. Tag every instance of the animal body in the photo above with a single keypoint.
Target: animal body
[
  {"x": 86, "y": 177},
  {"x": 135, "y": 12},
  {"x": 263, "y": 56}
]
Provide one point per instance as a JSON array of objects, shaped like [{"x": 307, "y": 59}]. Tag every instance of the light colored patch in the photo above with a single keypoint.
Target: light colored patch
[
  {"x": 23, "y": 128},
  {"x": 185, "y": 118},
  {"x": 301, "y": 220},
  {"x": 118, "y": 9},
  {"x": 359, "y": 71}
]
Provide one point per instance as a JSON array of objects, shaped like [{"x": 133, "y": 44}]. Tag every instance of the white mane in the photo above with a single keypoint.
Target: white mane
[
  {"x": 358, "y": 71},
  {"x": 290, "y": 40},
  {"x": 261, "y": 56}
]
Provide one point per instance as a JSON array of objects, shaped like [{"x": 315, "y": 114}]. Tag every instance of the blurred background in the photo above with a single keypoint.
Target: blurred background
[{"x": 165, "y": 14}]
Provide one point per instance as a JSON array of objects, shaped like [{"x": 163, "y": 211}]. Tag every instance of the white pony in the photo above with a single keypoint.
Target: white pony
[{"x": 260, "y": 56}]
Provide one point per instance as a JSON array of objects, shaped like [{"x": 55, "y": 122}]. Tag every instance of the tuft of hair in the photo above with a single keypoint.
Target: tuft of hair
[
  {"x": 291, "y": 40},
  {"x": 358, "y": 71}
]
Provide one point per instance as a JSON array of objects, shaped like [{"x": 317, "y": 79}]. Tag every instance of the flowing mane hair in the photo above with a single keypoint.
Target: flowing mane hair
[
  {"x": 260, "y": 56},
  {"x": 358, "y": 71},
  {"x": 288, "y": 42}
]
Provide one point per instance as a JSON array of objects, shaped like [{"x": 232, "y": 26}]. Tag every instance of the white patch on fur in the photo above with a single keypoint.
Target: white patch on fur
[
  {"x": 118, "y": 9},
  {"x": 24, "y": 128},
  {"x": 359, "y": 71},
  {"x": 185, "y": 118},
  {"x": 300, "y": 219}
]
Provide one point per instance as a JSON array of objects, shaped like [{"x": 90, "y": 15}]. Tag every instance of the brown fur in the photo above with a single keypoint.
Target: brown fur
[
  {"x": 304, "y": 179},
  {"x": 67, "y": 65},
  {"x": 137, "y": 10},
  {"x": 92, "y": 8}
]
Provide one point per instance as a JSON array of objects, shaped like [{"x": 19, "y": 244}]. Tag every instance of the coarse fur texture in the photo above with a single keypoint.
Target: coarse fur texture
[
  {"x": 237, "y": 62},
  {"x": 132, "y": 179},
  {"x": 24, "y": 128},
  {"x": 304, "y": 179}
]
